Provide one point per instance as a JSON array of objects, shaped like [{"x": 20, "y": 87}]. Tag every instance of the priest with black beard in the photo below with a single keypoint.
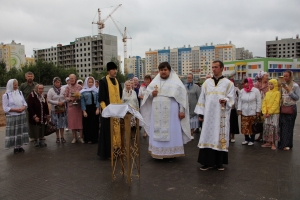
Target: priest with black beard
[{"x": 110, "y": 91}]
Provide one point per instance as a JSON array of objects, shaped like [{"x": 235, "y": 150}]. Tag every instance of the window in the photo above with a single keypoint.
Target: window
[{"x": 249, "y": 66}]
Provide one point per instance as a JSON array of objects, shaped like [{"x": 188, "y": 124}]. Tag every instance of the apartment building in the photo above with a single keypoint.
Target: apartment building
[
  {"x": 134, "y": 67},
  {"x": 284, "y": 48},
  {"x": 242, "y": 54},
  {"x": 85, "y": 53},
  {"x": 13, "y": 55}
]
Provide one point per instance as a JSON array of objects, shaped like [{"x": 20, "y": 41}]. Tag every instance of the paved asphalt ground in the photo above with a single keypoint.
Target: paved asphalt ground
[{"x": 74, "y": 171}]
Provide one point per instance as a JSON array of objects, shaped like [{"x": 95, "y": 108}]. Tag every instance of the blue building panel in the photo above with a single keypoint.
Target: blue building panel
[
  {"x": 207, "y": 48},
  {"x": 283, "y": 70}
]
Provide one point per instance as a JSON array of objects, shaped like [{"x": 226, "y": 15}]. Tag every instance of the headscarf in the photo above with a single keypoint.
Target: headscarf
[
  {"x": 67, "y": 80},
  {"x": 259, "y": 75},
  {"x": 275, "y": 83},
  {"x": 250, "y": 85},
  {"x": 56, "y": 90},
  {"x": 86, "y": 88},
  {"x": 16, "y": 96},
  {"x": 39, "y": 96}
]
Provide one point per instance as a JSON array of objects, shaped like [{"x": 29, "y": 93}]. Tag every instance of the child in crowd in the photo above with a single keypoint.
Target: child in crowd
[{"x": 271, "y": 110}]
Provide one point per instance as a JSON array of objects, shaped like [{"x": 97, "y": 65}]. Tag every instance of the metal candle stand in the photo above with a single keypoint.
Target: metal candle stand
[{"x": 128, "y": 156}]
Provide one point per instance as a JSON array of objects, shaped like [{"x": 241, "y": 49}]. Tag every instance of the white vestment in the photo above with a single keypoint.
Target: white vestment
[
  {"x": 167, "y": 133},
  {"x": 209, "y": 106}
]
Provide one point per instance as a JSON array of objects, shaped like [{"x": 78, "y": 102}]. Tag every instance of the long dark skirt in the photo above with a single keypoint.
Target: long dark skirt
[
  {"x": 104, "y": 150},
  {"x": 91, "y": 124},
  {"x": 212, "y": 157},
  {"x": 286, "y": 126},
  {"x": 234, "y": 122}
]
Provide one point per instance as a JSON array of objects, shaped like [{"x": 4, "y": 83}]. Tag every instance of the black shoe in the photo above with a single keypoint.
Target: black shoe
[
  {"x": 220, "y": 168},
  {"x": 16, "y": 150},
  {"x": 42, "y": 143},
  {"x": 21, "y": 150},
  {"x": 36, "y": 144},
  {"x": 205, "y": 167}
]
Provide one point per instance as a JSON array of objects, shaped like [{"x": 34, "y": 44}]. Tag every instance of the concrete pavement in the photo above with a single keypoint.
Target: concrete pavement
[{"x": 74, "y": 171}]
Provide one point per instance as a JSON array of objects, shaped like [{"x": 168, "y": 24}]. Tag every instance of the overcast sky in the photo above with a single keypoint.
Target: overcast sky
[{"x": 151, "y": 24}]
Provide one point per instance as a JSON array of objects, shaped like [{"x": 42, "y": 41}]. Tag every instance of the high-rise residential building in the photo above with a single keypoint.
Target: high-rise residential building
[
  {"x": 284, "y": 48},
  {"x": 134, "y": 67},
  {"x": 240, "y": 69},
  {"x": 242, "y": 54},
  {"x": 85, "y": 53},
  {"x": 13, "y": 55},
  {"x": 184, "y": 60}
]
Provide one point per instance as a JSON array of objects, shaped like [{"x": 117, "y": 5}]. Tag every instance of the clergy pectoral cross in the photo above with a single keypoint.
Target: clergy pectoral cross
[{"x": 155, "y": 88}]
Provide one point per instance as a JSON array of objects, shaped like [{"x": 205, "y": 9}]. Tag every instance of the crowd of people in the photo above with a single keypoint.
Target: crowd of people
[{"x": 172, "y": 112}]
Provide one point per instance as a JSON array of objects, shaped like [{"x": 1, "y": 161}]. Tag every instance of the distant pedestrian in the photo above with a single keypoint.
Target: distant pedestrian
[
  {"x": 56, "y": 98},
  {"x": 290, "y": 94},
  {"x": 234, "y": 120},
  {"x": 26, "y": 88},
  {"x": 249, "y": 106},
  {"x": 193, "y": 91},
  {"x": 14, "y": 106},
  {"x": 90, "y": 109},
  {"x": 38, "y": 114},
  {"x": 72, "y": 96},
  {"x": 271, "y": 110},
  {"x": 142, "y": 92}
]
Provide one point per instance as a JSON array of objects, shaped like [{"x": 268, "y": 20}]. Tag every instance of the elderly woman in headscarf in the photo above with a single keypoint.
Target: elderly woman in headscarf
[
  {"x": 290, "y": 94},
  {"x": 14, "y": 105},
  {"x": 90, "y": 109},
  {"x": 270, "y": 110},
  {"x": 38, "y": 114},
  {"x": 249, "y": 106},
  {"x": 262, "y": 85},
  {"x": 129, "y": 97},
  {"x": 59, "y": 117}
]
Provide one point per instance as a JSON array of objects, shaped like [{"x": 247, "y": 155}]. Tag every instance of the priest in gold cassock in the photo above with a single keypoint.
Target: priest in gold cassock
[
  {"x": 165, "y": 109},
  {"x": 110, "y": 91},
  {"x": 214, "y": 104}
]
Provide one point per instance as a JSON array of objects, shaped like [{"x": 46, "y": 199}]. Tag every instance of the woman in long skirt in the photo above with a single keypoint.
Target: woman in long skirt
[
  {"x": 234, "y": 120},
  {"x": 90, "y": 109},
  {"x": 59, "y": 116},
  {"x": 14, "y": 105},
  {"x": 290, "y": 93}
]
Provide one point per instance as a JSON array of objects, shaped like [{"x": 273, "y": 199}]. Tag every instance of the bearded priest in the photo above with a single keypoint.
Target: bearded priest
[{"x": 165, "y": 108}]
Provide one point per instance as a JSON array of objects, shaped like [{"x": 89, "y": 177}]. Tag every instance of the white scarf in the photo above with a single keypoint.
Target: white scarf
[{"x": 16, "y": 94}]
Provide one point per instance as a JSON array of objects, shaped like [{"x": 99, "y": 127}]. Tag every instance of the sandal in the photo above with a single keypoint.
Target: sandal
[
  {"x": 273, "y": 147},
  {"x": 57, "y": 140},
  {"x": 63, "y": 140},
  {"x": 266, "y": 145}
]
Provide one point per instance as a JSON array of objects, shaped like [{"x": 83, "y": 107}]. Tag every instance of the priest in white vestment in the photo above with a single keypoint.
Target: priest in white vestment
[
  {"x": 165, "y": 108},
  {"x": 214, "y": 106}
]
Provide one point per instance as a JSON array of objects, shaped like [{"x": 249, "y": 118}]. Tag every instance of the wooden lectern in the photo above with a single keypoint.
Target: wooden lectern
[{"x": 126, "y": 155}]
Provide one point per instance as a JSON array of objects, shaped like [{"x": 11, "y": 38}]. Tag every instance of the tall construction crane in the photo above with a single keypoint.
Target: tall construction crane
[
  {"x": 100, "y": 22},
  {"x": 124, "y": 37}
]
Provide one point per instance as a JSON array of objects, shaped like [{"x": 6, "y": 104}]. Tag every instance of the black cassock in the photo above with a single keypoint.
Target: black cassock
[{"x": 104, "y": 135}]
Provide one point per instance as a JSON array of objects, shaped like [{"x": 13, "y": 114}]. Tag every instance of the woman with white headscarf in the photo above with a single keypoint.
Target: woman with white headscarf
[
  {"x": 90, "y": 109},
  {"x": 14, "y": 105},
  {"x": 129, "y": 97}
]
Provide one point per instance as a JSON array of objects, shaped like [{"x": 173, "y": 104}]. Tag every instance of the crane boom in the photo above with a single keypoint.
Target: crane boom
[{"x": 100, "y": 22}]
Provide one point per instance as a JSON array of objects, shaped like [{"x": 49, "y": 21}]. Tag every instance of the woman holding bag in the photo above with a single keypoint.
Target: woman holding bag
[
  {"x": 290, "y": 94},
  {"x": 249, "y": 106},
  {"x": 56, "y": 98}
]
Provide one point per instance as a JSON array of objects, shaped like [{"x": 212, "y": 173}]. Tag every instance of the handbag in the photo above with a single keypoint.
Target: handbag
[
  {"x": 59, "y": 109},
  {"x": 258, "y": 126},
  {"x": 49, "y": 128},
  {"x": 287, "y": 110}
]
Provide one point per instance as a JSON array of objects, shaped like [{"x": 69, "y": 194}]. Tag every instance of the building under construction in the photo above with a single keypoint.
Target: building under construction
[{"x": 85, "y": 53}]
